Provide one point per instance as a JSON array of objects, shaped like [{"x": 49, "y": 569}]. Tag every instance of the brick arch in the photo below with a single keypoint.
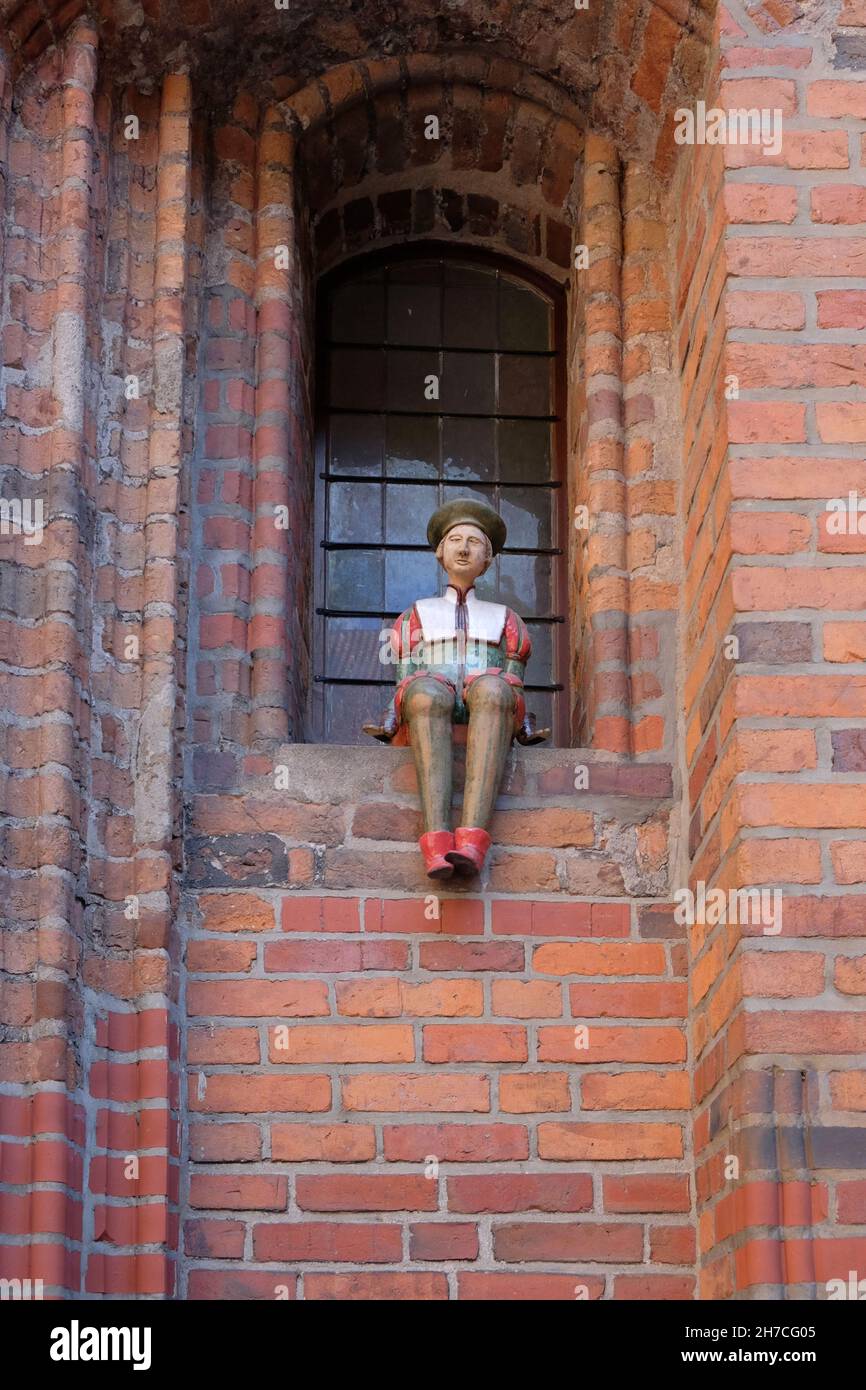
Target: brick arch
[
  {"x": 626, "y": 63},
  {"x": 350, "y": 84},
  {"x": 501, "y": 170}
]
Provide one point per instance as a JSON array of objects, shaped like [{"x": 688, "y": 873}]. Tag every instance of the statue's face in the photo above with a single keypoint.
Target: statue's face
[{"x": 464, "y": 554}]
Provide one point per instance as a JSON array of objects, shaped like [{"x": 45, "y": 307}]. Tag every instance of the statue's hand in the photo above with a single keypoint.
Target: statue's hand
[
  {"x": 385, "y": 731},
  {"x": 527, "y": 733}
]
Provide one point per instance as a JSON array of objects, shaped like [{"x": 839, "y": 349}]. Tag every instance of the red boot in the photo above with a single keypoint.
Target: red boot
[
  {"x": 434, "y": 846},
  {"x": 470, "y": 847}
]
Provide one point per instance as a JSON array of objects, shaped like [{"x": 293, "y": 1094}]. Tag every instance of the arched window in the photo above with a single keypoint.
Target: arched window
[{"x": 440, "y": 376}]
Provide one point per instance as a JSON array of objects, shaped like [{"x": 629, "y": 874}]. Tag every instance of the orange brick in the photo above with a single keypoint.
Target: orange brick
[
  {"x": 257, "y": 998},
  {"x": 637, "y": 1044},
  {"x": 532, "y": 1092},
  {"x": 236, "y": 912},
  {"x": 850, "y": 975},
  {"x": 635, "y": 1090},
  {"x": 599, "y": 1142},
  {"x": 526, "y": 999},
  {"x": 306, "y": 1143},
  {"x": 599, "y": 959},
  {"x": 393, "y": 1092},
  {"x": 783, "y": 975},
  {"x": 849, "y": 860},
  {"x": 844, "y": 641},
  {"x": 478, "y": 1042},
  {"x": 778, "y": 861},
  {"x": 340, "y": 1042}
]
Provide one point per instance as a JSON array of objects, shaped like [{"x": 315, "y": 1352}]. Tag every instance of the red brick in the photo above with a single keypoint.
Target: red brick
[
  {"x": 504, "y": 1192},
  {"x": 235, "y": 912},
  {"x": 479, "y": 1042},
  {"x": 224, "y": 1093},
  {"x": 672, "y": 1245},
  {"x": 239, "y": 1193},
  {"x": 224, "y": 1143},
  {"x": 608, "y": 1142},
  {"x": 544, "y": 1241},
  {"x": 320, "y": 914},
  {"x": 376, "y": 1192},
  {"x": 455, "y": 1143},
  {"x": 636, "y": 1090},
  {"x": 339, "y": 1143},
  {"x": 389, "y": 1287},
  {"x": 628, "y": 1001},
  {"x": 443, "y": 1240},
  {"x": 327, "y": 1240},
  {"x": 526, "y": 1287},
  {"x": 342, "y": 1043},
  {"x": 388, "y": 1092},
  {"x": 646, "y": 1193},
  {"x": 534, "y": 1092},
  {"x": 615, "y": 959},
  {"x": 215, "y": 1240},
  {"x": 239, "y": 1284}
]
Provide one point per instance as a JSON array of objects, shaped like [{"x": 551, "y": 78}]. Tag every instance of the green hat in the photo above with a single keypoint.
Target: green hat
[{"x": 464, "y": 509}]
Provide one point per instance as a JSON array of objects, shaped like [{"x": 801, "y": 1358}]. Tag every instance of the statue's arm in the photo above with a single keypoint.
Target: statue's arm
[
  {"x": 397, "y": 652},
  {"x": 518, "y": 647}
]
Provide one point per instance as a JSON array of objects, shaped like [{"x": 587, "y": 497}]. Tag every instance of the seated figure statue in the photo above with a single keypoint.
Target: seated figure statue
[{"x": 459, "y": 660}]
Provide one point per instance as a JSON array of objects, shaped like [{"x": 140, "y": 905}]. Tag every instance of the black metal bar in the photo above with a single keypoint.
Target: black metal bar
[
  {"x": 445, "y": 414},
  {"x": 359, "y": 680},
  {"x": 442, "y": 347},
  {"x": 394, "y": 613},
  {"x": 395, "y": 545},
  {"x": 427, "y": 482}
]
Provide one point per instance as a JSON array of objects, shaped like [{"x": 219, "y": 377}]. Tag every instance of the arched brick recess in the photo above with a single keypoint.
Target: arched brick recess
[{"x": 507, "y": 173}]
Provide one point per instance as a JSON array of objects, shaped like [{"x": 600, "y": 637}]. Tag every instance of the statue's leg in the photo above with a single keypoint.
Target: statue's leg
[
  {"x": 428, "y": 705},
  {"x": 490, "y": 701}
]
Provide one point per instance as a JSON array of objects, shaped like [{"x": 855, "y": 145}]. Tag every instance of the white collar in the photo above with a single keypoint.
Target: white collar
[
  {"x": 451, "y": 593},
  {"x": 438, "y": 616}
]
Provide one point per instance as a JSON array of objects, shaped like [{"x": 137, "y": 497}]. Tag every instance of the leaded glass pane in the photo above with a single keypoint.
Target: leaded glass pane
[{"x": 440, "y": 373}]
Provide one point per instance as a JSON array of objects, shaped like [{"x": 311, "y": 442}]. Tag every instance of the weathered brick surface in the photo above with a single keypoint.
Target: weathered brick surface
[
  {"x": 103, "y": 646},
  {"x": 773, "y": 595},
  {"x": 432, "y": 1088},
  {"x": 387, "y": 1093}
]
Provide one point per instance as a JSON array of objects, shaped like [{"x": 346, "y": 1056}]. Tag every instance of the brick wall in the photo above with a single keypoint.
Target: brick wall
[
  {"x": 772, "y": 370},
  {"x": 101, "y": 285},
  {"x": 46, "y": 632},
  {"x": 382, "y": 1076},
  {"x": 429, "y": 1123}
]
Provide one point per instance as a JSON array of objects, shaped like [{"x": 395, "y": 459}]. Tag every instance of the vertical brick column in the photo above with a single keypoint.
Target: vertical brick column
[
  {"x": 133, "y": 983},
  {"x": 272, "y": 597},
  {"x": 155, "y": 804},
  {"x": 603, "y": 585},
  {"x": 122, "y": 913},
  {"x": 46, "y": 655},
  {"x": 774, "y": 397},
  {"x": 651, "y": 465},
  {"x": 222, "y": 531}
]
